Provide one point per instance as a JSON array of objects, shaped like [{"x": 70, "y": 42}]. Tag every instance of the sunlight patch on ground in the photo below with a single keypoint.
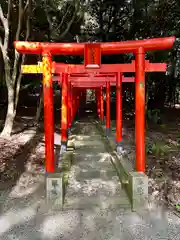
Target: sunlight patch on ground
[
  {"x": 17, "y": 192},
  {"x": 76, "y": 184},
  {"x": 60, "y": 224},
  {"x": 88, "y": 111},
  {"x": 26, "y": 185},
  {"x": 94, "y": 143},
  {"x": 27, "y": 136},
  {"x": 88, "y": 156},
  {"x": 33, "y": 94},
  {"x": 82, "y": 137},
  {"x": 15, "y": 216},
  {"x": 83, "y": 142},
  {"x": 79, "y": 144},
  {"x": 104, "y": 157},
  {"x": 94, "y": 185}
]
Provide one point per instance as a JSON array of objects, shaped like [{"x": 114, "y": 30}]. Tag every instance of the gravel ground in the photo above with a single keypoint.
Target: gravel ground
[{"x": 91, "y": 209}]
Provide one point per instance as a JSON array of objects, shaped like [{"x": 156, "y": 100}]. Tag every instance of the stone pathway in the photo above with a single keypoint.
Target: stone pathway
[
  {"x": 95, "y": 208},
  {"x": 93, "y": 181}
]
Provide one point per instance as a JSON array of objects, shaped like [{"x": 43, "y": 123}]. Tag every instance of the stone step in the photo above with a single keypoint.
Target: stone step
[
  {"x": 86, "y": 146},
  {"x": 94, "y": 188},
  {"x": 102, "y": 202},
  {"x": 87, "y": 163},
  {"x": 93, "y": 173}
]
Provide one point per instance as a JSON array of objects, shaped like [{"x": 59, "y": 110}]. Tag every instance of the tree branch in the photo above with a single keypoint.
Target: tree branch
[
  {"x": 2, "y": 18},
  {"x": 70, "y": 23},
  {"x": 64, "y": 17},
  {"x": 28, "y": 30},
  {"x": 9, "y": 10},
  {"x": 48, "y": 19},
  {"x": 19, "y": 19},
  {"x": 4, "y": 44},
  {"x": 6, "y": 28},
  {"x": 17, "y": 55},
  {"x": 6, "y": 65},
  {"x": 111, "y": 19},
  {"x": 26, "y": 7}
]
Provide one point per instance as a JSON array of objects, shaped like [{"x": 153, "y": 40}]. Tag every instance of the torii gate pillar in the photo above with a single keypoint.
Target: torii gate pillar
[
  {"x": 69, "y": 107},
  {"x": 140, "y": 109},
  {"x": 108, "y": 112},
  {"x": 101, "y": 105},
  {"x": 119, "y": 112},
  {"x": 64, "y": 112},
  {"x": 98, "y": 103},
  {"x": 48, "y": 111}
]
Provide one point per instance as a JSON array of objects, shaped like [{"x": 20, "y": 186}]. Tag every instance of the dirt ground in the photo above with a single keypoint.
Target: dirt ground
[
  {"x": 163, "y": 157},
  {"x": 164, "y": 162},
  {"x": 22, "y": 156},
  {"x": 24, "y": 152}
]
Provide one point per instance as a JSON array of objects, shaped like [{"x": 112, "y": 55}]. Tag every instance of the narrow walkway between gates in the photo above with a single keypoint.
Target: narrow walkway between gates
[{"x": 93, "y": 180}]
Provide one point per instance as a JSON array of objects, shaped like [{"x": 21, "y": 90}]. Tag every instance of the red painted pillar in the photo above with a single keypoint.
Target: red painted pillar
[
  {"x": 76, "y": 106},
  {"x": 78, "y": 101},
  {"x": 69, "y": 107},
  {"x": 64, "y": 112},
  {"x": 98, "y": 103},
  {"x": 140, "y": 110},
  {"x": 75, "y": 102},
  {"x": 48, "y": 111},
  {"x": 119, "y": 112},
  {"x": 101, "y": 105},
  {"x": 72, "y": 101},
  {"x": 108, "y": 113}
]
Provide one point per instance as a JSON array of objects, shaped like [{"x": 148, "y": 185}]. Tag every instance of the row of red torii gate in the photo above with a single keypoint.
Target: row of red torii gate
[{"x": 75, "y": 79}]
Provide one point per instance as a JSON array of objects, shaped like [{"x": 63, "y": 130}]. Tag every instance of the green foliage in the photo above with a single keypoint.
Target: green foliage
[
  {"x": 178, "y": 206},
  {"x": 158, "y": 149},
  {"x": 149, "y": 148},
  {"x": 153, "y": 115},
  {"x": 57, "y": 20}
]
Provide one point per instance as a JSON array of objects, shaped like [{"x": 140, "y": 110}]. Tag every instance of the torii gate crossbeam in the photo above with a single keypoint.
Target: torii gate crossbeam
[{"x": 105, "y": 68}]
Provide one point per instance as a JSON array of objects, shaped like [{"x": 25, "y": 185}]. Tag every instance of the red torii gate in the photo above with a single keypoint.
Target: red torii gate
[
  {"x": 92, "y": 55},
  {"x": 95, "y": 82},
  {"x": 89, "y": 80},
  {"x": 84, "y": 78}
]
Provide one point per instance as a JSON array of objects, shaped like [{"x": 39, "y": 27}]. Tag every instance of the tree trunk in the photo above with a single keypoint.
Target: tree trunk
[
  {"x": 10, "y": 114},
  {"x": 13, "y": 78}
]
